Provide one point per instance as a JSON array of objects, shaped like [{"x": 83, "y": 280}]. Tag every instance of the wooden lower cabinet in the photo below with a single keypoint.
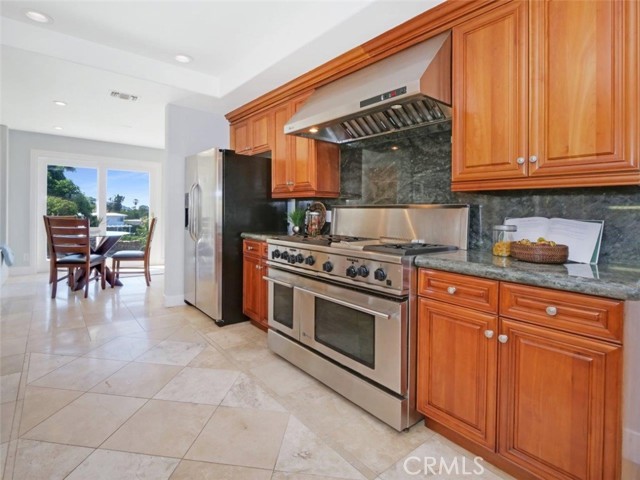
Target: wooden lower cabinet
[
  {"x": 559, "y": 410},
  {"x": 540, "y": 399},
  {"x": 254, "y": 288},
  {"x": 457, "y": 373}
]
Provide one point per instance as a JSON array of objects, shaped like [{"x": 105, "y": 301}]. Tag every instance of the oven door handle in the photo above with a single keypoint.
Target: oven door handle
[
  {"x": 345, "y": 304},
  {"x": 278, "y": 282}
]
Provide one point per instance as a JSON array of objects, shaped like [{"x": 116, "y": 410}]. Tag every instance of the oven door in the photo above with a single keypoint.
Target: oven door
[
  {"x": 280, "y": 314},
  {"x": 364, "y": 332}
]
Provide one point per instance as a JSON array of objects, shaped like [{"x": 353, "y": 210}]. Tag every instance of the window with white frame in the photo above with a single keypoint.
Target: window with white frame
[{"x": 115, "y": 194}]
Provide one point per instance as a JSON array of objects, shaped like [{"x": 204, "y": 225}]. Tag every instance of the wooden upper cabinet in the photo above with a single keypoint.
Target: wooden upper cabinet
[
  {"x": 240, "y": 141},
  {"x": 490, "y": 95},
  {"x": 302, "y": 167},
  {"x": 253, "y": 135},
  {"x": 546, "y": 95},
  {"x": 578, "y": 87},
  {"x": 281, "y": 152}
]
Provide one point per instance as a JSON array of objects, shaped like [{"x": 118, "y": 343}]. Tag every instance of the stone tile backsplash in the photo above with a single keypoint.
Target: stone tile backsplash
[{"x": 415, "y": 167}]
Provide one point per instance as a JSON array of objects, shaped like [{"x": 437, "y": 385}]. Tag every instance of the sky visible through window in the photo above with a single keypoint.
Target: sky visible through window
[{"x": 130, "y": 185}]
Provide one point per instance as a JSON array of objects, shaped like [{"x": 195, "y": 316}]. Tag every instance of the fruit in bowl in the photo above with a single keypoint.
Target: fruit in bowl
[{"x": 540, "y": 251}]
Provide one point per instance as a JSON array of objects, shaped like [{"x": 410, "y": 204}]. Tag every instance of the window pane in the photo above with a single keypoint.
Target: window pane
[
  {"x": 71, "y": 190},
  {"x": 127, "y": 200}
]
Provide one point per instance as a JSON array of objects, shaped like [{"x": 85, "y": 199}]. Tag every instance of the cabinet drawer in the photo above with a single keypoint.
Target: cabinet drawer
[
  {"x": 252, "y": 247},
  {"x": 572, "y": 312},
  {"x": 264, "y": 250},
  {"x": 463, "y": 290}
]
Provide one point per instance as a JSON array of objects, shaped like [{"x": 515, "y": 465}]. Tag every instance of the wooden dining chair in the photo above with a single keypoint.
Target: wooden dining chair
[
  {"x": 70, "y": 249},
  {"x": 134, "y": 256}
]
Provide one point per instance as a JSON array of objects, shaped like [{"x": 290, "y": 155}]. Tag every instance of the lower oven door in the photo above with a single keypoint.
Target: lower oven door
[
  {"x": 364, "y": 332},
  {"x": 280, "y": 315}
]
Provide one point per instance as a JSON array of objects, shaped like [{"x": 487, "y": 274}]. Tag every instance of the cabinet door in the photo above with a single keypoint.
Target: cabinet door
[
  {"x": 457, "y": 368},
  {"x": 261, "y": 132},
  {"x": 303, "y": 161},
  {"x": 584, "y": 104},
  {"x": 490, "y": 74},
  {"x": 559, "y": 397},
  {"x": 251, "y": 285},
  {"x": 240, "y": 141},
  {"x": 281, "y": 152}
]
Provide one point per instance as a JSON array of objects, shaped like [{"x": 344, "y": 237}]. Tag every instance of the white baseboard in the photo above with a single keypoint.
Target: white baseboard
[
  {"x": 631, "y": 445},
  {"x": 173, "y": 300}
]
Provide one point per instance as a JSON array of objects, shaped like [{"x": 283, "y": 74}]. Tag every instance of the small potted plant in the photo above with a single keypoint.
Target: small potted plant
[{"x": 296, "y": 218}]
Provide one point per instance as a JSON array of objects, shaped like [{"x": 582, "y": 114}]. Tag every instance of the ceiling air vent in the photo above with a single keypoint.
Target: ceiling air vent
[{"x": 124, "y": 96}]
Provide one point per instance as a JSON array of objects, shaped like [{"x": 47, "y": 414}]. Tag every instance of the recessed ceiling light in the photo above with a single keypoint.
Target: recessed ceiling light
[
  {"x": 395, "y": 147},
  {"x": 313, "y": 130},
  {"x": 56, "y": 127},
  {"x": 183, "y": 58},
  {"x": 60, "y": 103},
  {"x": 38, "y": 16}
]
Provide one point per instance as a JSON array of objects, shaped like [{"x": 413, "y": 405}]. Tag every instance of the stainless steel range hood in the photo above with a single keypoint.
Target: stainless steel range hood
[{"x": 406, "y": 90}]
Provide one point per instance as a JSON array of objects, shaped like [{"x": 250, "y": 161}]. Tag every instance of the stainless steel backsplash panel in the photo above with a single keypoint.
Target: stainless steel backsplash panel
[{"x": 441, "y": 224}]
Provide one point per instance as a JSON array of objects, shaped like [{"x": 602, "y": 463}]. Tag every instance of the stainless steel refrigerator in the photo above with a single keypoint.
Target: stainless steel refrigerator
[{"x": 225, "y": 194}]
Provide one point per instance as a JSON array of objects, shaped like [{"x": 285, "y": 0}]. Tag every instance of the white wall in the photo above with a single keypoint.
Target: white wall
[
  {"x": 188, "y": 132},
  {"x": 21, "y": 238}
]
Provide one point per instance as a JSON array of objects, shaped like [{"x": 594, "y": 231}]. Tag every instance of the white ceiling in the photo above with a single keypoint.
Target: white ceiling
[{"x": 241, "y": 49}]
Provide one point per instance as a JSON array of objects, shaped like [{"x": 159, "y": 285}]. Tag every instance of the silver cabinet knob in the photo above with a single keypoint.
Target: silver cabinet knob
[
  {"x": 488, "y": 333},
  {"x": 533, "y": 159},
  {"x": 551, "y": 311},
  {"x": 503, "y": 338},
  {"x": 520, "y": 160},
  {"x": 249, "y": 248},
  {"x": 451, "y": 290}
]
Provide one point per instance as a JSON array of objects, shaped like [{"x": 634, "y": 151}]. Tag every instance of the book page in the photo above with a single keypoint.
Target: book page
[
  {"x": 581, "y": 237},
  {"x": 530, "y": 228}
]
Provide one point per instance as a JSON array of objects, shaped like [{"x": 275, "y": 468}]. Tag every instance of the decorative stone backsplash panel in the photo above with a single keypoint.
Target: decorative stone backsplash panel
[{"x": 415, "y": 167}]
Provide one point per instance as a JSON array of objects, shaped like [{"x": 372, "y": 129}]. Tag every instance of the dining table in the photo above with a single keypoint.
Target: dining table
[{"x": 104, "y": 242}]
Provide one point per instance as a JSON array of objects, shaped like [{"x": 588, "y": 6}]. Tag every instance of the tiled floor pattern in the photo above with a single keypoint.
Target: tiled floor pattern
[{"x": 117, "y": 386}]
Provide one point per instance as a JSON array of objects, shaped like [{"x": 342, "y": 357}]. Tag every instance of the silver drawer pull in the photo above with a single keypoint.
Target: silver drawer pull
[
  {"x": 451, "y": 290},
  {"x": 344, "y": 304},
  {"x": 533, "y": 159},
  {"x": 488, "y": 333},
  {"x": 520, "y": 160},
  {"x": 503, "y": 338},
  {"x": 551, "y": 311}
]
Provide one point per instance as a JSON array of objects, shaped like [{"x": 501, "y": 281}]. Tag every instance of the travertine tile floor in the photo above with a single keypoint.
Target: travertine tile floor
[{"x": 117, "y": 386}]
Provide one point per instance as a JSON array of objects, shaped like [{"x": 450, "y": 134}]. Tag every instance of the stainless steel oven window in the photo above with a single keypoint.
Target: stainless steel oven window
[
  {"x": 283, "y": 305},
  {"x": 345, "y": 330}
]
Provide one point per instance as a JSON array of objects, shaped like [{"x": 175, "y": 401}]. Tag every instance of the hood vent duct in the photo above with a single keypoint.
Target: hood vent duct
[{"x": 409, "y": 89}]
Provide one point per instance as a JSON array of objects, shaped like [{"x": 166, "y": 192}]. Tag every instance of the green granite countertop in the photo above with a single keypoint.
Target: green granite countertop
[
  {"x": 261, "y": 236},
  {"x": 606, "y": 280}
]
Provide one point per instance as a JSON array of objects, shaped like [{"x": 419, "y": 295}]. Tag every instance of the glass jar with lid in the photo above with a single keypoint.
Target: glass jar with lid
[{"x": 502, "y": 238}]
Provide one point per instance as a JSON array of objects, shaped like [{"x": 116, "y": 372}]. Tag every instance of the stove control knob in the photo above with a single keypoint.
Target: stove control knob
[
  {"x": 284, "y": 256},
  {"x": 352, "y": 272},
  {"x": 292, "y": 259},
  {"x": 275, "y": 254},
  {"x": 299, "y": 258},
  {"x": 363, "y": 271},
  {"x": 380, "y": 274},
  {"x": 327, "y": 266},
  {"x": 310, "y": 260}
]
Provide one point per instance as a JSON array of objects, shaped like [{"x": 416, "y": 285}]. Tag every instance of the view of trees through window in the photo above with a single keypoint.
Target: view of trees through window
[{"x": 74, "y": 191}]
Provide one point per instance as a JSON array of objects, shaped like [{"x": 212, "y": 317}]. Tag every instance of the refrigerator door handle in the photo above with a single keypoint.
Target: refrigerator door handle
[
  {"x": 192, "y": 232},
  {"x": 197, "y": 190}
]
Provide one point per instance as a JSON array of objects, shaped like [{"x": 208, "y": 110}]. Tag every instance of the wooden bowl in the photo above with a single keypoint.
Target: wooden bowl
[{"x": 540, "y": 253}]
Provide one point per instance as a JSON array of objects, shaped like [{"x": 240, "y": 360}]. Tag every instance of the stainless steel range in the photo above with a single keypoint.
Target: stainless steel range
[{"x": 343, "y": 307}]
